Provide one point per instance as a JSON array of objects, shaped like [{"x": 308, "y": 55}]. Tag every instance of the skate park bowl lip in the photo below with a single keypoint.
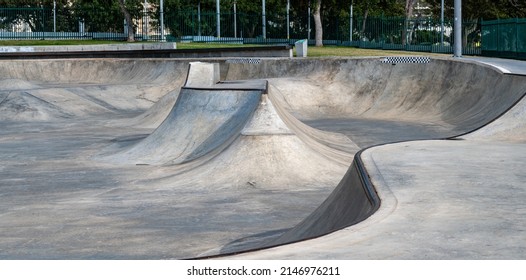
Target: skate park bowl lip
[
  {"x": 113, "y": 52},
  {"x": 363, "y": 90}
]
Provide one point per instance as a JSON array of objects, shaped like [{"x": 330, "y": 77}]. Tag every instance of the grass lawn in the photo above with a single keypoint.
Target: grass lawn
[
  {"x": 352, "y": 51},
  {"x": 319, "y": 51},
  {"x": 312, "y": 51}
]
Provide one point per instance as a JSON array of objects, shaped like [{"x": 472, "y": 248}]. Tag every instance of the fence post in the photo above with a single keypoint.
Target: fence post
[
  {"x": 308, "y": 25},
  {"x": 162, "y": 20},
  {"x": 54, "y": 16},
  {"x": 350, "y": 24},
  {"x": 145, "y": 22},
  {"x": 218, "y": 19},
  {"x": 442, "y": 23},
  {"x": 43, "y": 18},
  {"x": 264, "y": 19},
  {"x": 288, "y": 20},
  {"x": 235, "y": 19}
]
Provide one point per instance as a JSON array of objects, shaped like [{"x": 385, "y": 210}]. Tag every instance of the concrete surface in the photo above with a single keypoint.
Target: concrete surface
[
  {"x": 440, "y": 200},
  {"x": 507, "y": 66},
  {"x": 99, "y": 47},
  {"x": 243, "y": 53},
  {"x": 274, "y": 179}
]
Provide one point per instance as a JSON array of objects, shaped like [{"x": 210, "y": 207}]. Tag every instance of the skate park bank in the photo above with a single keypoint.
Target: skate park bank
[{"x": 334, "y": 158}]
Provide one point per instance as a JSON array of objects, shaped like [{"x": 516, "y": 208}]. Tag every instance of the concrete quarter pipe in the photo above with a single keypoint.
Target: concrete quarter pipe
[{"x": 146, "y": 163}]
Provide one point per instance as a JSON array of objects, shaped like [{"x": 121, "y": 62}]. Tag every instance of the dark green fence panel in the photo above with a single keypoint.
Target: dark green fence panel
[
  {"x": 521, "y": 38},
  {"x": 504, "y": 38}
]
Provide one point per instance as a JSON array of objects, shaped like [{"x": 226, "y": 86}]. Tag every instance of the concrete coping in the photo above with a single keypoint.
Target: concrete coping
[{"x": 97, "y": 47}]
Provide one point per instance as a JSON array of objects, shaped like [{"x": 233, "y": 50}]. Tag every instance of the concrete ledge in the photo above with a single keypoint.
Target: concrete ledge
[
  {"x": 266, "y": 51},
  {"x": 100, "y": 47}
]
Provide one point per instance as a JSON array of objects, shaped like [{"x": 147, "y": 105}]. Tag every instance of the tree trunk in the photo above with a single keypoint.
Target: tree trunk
[
  {"x": 129, "y": 21},
  {"x": 468, "y": 27},
  {"x": 317, "y": 24},
  {"x": 409, "y": 4},
  {"x": 364, "y": 24}
]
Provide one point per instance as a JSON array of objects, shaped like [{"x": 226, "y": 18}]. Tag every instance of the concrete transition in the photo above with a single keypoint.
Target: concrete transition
[{"x": 261, "y": 158}]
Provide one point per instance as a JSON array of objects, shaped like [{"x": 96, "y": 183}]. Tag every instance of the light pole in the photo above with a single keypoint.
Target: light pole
[
  {"x": 264, "y": 19},
  {"x": 162, "y": 21},
  {"x": 350, "y": 22},
  {"x": 199, "y": 18},
  {"x": 308, "y": 25},
  {"x": 235, "y": 19},
  {"x": 288, "y": 19},
  {"x": 457, "y": 50},
  {"x": 145, "y": 21},
  {"x": 218, "y": 19},
  {"x": 442, "y": 23},
  {"x": 54, "y": 16}
]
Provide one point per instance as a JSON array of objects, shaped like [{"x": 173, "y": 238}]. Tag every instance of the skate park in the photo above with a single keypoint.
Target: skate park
[{"x": 262, "y": 158}]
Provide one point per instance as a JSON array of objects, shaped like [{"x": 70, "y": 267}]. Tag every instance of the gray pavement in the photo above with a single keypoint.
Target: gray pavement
[
  {"x": 61, "y": 199},
  {"x": 507, "y": 66}
]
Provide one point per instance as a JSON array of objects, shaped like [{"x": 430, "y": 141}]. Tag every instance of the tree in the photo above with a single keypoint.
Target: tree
[
  {"x": 409, "y": 5},
  {"x": 108, "y": 15},
  {"x": 129, "y": 21},
  {"x": 486, "y": 9},
  {"x": 317, "y": 23},
  {"x": 474, "y": 10}
]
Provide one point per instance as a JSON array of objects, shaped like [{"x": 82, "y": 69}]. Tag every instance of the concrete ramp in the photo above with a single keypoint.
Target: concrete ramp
[
  {"x": 335, "y": 146},
  {"x": 202, "y": 74},
  {"x": 201, "y": 122},
  {"x": 199, "y": 75},
  {"x": 467, "y": 102},
  {"x": 204, "y": 120},
  {"x": 208, "y": 116},
  {"x": 510, "y": 127},
  {"x": 154, "y": 116},
  {"x": 220, "y": 167},
  {"x": 268, "y": 155},
  {"x": 24, "y": 106},
  {"x": 16, "y": 84},
  {"x": 445, "y": 97},
  {"x": 84, "y": 88},
  {"x": 351, "y": 202}
]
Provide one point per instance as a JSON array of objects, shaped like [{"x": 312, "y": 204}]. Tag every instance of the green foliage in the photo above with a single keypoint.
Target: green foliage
[
  {"x": 104, "y": 15},
  {"x": 33, "y": 14},
  {"x": 30, "y": 3},
  {"x": 486, "y": 9}
]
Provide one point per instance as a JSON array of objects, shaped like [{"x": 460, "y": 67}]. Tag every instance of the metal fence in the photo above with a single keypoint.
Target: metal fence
[
  {"x": 43, "y": 23},
  {"x": 421, "y": 34},
  {"x": 504, "y": 38}
]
